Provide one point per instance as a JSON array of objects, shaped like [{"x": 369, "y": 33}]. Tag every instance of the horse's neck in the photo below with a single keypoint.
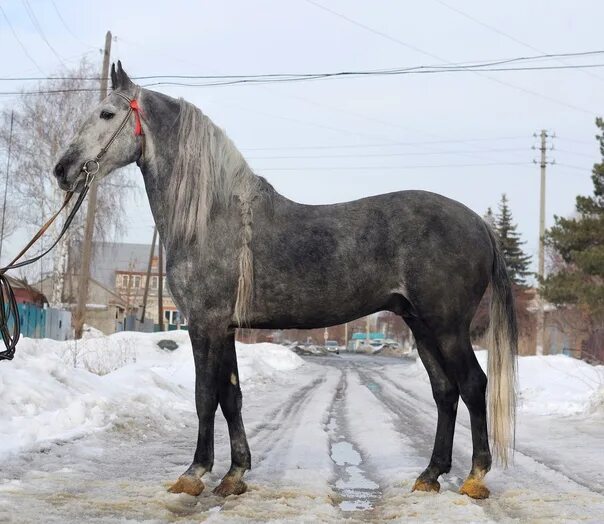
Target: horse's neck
[
  {"x": 157, "y": 162},
  {"x": 160, "y": 114}
]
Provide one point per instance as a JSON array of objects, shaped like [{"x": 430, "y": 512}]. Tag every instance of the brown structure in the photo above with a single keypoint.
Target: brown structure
[{"x": 26, "y": 294}]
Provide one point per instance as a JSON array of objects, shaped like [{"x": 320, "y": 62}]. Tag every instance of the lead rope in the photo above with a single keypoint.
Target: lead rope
[{"x": 9, "y": 310}]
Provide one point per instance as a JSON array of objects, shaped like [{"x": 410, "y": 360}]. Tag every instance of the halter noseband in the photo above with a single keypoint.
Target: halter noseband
[{"x": 91, "y": 167}]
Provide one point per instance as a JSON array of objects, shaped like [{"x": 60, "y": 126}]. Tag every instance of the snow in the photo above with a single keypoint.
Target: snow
[
  {"x": 557, "y": 385},
  {"x": 56, "y": 391},
  {"x": 548, "y": 385},
  {"x": 106, "y": 423}
]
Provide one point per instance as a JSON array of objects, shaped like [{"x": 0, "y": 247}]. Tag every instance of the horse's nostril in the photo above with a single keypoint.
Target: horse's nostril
[{"x": 59, "y": 170}]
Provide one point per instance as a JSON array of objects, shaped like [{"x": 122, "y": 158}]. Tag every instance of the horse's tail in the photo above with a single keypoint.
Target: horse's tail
[{"x": 503, "y": 348}]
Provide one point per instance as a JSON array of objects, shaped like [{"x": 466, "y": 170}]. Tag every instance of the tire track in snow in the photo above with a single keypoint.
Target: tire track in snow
[
  {"x": 269, "y": 438},
  {"x": 527, "y": 454},
  {"x": 526, "y": 474},
  {"x": 352, "y": 480}
]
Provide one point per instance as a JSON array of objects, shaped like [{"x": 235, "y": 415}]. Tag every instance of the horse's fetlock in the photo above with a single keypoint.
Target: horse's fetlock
[{"x": 481, "y": 464}]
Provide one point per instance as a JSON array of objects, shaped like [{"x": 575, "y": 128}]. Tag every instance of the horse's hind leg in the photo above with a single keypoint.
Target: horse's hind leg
[
  {"x": 446, "y": 396},
  {"x": 229, "y": 396},
  {"x": 472, "y": 383}
]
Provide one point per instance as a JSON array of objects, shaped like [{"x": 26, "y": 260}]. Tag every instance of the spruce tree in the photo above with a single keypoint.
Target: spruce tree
[
  {"x": 489, "y": 218},
  {"x": 579, "y": 242},
  {"x": 516, "y": 260}
]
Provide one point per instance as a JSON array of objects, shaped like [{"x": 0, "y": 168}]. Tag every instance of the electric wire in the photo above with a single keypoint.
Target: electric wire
[
  {"x": 21, "y": 44},
  {"x": 441, "y": 59},
  {"x": 466, "y": 66},
  {"x": 322, "y": 76},
  {"x": 34, "y": 20},
  {"x": 503, "y": 33}
]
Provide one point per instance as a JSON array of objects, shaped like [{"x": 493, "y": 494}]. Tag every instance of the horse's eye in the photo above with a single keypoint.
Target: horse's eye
[{"x": 107, "y": 115}]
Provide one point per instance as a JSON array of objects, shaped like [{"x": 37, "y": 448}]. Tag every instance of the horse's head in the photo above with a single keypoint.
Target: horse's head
[{"x": 109, "y": 138}]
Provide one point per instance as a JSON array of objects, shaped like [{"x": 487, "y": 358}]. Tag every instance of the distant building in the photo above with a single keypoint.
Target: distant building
[
  {"x": 26, "y": 294},
  {"x": 118, "y": 273},
  {"x": 105, "y": 309},
  {"x": 122, "y": 267}
]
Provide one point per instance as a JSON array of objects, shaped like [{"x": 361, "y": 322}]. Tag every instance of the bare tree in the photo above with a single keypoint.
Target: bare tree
[{"x": 45, "y": 119}]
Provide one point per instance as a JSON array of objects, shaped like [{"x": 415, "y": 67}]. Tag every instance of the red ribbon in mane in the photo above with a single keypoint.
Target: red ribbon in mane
[{"x": 138, "y": 127}]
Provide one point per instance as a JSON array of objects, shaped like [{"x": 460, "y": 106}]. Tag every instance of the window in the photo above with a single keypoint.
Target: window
[
  {"x": 124, "y": 280},
  {"x": 136, "y": 281},
  {"x": 154, "y": 282}
]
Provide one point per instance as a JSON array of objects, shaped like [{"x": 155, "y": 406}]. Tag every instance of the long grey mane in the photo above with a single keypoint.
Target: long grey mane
[{"x": 208, "y": 172}]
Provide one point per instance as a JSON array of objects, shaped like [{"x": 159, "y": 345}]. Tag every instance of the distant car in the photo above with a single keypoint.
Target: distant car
[{"x": 332, "y": 346}]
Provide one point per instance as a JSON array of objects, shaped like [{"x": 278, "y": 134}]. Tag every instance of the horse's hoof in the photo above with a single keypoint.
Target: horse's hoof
[
  {"x": 474, "y": 488},
  {"x": 187, "y": 484},
  {"x": 426, "y": 485},
  {"x": 230, "y": 487}
]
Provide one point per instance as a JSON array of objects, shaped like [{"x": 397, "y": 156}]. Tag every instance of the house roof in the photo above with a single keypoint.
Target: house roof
[
  {"x": 109, "y": 257},
  {"x": 18, "y": 284}
]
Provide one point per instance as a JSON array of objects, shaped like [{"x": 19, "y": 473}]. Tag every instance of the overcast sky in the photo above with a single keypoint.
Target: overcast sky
[{"x": 335, "y": 140}]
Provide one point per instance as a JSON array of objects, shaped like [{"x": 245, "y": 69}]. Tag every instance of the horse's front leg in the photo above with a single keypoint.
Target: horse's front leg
[
  {"x": 208, "y": 352},
  {"x": 229, "y": 396}
]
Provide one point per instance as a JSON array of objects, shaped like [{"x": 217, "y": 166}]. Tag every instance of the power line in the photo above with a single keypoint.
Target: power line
[
  {"x": 392, "y": 144},
  {"x": 322, "y": 76},
  {"x": 24, "y": 49},
  {"x": 468, "y": 66},
  {"x": 578, "y": 168},
  {"x": 589, "y": 142},
  {"x": 75, "y": 37},
  {"x": 585, "y": 155},
  {"x": 387, "y": 155},
  {"x": 32, "y": 16},
  {"x": 502, "y": 33},
  {"x": 441, "y": 59},
  {"x": 375, "y": 31},
  {"x": 380, "y": 168}
]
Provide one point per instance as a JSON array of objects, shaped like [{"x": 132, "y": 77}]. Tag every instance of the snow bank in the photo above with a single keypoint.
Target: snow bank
[
  {"x": 556, "y": 384},
  {"x": 62, "y": 390},
  {"x": 547, "y": 385}
]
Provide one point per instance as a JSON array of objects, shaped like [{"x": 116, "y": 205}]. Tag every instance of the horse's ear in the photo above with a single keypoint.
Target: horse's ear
[
  {"x": 123, "y": 80},
  {"x": 113, "y": 77}
]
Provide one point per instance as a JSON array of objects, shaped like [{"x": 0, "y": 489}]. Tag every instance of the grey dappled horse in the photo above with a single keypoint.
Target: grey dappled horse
[{"x": 240, "y": 254}]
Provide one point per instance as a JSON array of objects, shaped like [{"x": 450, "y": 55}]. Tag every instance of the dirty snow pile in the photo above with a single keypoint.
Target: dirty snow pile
[
  {"x": 56, "y": 391},
  {"x": 556, "y": 385},
  {"x": 550, "y": 385}
]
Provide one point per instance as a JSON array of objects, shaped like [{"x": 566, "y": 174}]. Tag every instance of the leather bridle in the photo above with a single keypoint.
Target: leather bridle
[{"x": 138, "y": 130}]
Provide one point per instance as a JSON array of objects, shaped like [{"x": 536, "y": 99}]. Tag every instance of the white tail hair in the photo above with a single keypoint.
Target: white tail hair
[
  {"x": 208, "y": 172},
  {"x": 501, "y": 368}
]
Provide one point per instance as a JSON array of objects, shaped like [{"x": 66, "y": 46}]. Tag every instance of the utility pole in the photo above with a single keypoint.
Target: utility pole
[
  {"x": 346, "y": 336},
  {"x": 160, "y": 285},
  {"x": 83, "y": 281},
  {"x": 10, "y": 144},
  {"x": 149, "y": 266},
  {"x": 541, "y": 262}
]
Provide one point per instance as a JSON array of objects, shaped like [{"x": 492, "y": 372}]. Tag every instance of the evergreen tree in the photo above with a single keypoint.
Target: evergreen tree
[
  {"x": 516, "y": 260},
  {"x": 489, "y": 218},
  {"x": 579, "y": 242}
]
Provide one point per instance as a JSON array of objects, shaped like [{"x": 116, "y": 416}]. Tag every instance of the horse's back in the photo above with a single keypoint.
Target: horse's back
[{"x": 417, "y": 244}]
